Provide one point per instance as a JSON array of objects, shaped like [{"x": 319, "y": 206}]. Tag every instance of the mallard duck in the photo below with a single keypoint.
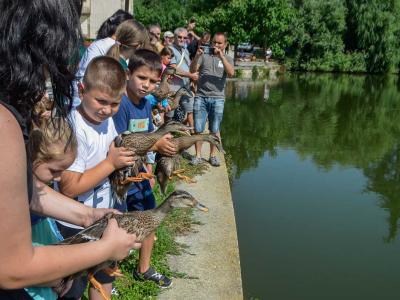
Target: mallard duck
[
  {"x": 163, "y": 91},
  {"x": 140, "y": 143},
  {"x": 174, "y": 102},
  {"x": 141, "y": 223},
  {"x": 168, "y": 166}
]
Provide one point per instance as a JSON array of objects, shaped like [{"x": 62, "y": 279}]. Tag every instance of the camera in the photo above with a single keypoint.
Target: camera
[{"x": 207, "y": 49}]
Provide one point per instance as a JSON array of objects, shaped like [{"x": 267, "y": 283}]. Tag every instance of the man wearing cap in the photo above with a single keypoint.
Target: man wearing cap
[{"x": 168, "y": 38}]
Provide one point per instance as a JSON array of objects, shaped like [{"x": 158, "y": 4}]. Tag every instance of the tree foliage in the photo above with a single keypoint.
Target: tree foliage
[
  {"x": 372, "y": 28},
  {"x": 336, "y": 35},
  {"x": 169, "y": 14}
]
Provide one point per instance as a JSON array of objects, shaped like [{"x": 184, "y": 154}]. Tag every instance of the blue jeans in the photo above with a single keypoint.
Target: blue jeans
[
  {"x": 141, "y": 199},
  {"x": 204, "y": 107}
]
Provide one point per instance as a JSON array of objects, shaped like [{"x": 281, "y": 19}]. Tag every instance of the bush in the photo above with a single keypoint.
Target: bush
[{"x": 330, "y": 62}]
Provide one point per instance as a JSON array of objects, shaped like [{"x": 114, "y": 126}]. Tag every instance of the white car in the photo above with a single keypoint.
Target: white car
[{"x": 245, "y": 47}]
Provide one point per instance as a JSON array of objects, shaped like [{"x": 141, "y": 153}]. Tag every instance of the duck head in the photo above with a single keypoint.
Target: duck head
[
  {"x": 215, "y": 140},
  {"x": 169, "y": 71},
  {"x": 181, "y": 199}
]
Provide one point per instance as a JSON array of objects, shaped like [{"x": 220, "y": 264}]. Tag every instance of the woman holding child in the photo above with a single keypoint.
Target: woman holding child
[{"x": 38, "y": 40}]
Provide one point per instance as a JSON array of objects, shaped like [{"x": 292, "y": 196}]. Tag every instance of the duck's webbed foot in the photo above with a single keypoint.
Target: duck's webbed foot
[
  {"x": 187, "y": 179},
  {"x": 115, "y": 272},
  {"x": 97, "y": 285},
  {"x": 139, "y": 178}
]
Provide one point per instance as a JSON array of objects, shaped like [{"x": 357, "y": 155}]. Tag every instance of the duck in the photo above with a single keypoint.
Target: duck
[
  {"x": 140, "y": 143},
  {"x": 140, "y": 223},
  {"x": 163, "y": 91},
  {"x": 174, "y": 101},
  {"x": 168, "y": 166}
]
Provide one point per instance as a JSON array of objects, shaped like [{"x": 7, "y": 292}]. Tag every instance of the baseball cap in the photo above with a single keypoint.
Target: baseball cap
[{"x": 168, "y": 34}]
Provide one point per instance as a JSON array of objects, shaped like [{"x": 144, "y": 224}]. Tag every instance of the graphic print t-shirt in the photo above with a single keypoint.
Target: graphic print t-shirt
[
  {"x": 93, "y": 144},
  {"x": 134, "y": 118}
]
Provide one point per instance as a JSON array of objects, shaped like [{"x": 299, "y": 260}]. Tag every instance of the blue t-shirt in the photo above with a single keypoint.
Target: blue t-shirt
[
  {"x": 153, "y": 101},
  {"x": 134, "y": 118}
]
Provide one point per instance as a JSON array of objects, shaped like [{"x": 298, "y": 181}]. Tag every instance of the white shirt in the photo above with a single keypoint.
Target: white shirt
[
  {"x": 93, "y": 144},
  {"x": 97, "y": 48}
]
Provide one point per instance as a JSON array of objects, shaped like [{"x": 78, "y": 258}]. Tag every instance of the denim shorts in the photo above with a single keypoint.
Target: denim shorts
[
  {"x": 187, "y": 104},
  {"x": 211, "y": 108},
  {"x": 140, "y": 197}
]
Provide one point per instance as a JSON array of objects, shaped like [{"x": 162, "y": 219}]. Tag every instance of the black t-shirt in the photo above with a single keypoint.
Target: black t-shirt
[{"x": 192, "y": 48}]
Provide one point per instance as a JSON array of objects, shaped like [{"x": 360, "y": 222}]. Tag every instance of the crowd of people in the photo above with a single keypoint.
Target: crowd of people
[{"x": 59, "y": 116}]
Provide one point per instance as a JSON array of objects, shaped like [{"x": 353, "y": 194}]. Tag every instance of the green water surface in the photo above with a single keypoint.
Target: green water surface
[{"x": 316, "y": 185}]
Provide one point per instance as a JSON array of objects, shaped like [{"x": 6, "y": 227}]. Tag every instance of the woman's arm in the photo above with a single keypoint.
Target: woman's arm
[{"x": 22, "y": 264}]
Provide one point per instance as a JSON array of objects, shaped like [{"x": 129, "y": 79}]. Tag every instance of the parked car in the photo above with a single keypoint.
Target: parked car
[{"x": 245, "y": 47}]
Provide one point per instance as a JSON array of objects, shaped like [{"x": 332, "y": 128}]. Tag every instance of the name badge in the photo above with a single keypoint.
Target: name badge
[{"x": 138, "y": 125}]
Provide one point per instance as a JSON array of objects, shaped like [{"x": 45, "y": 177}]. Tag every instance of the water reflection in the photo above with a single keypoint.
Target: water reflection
[{"x": 334, "y": 120}]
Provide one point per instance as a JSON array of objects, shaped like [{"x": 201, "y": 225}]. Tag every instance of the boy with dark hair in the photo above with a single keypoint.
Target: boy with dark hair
[
  {"x": 144, "y": 70},
  {"x": 86, "y": 180}
]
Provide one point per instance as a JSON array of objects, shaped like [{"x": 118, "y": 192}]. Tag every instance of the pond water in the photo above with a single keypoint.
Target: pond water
[{"x": 316, "y": 185}]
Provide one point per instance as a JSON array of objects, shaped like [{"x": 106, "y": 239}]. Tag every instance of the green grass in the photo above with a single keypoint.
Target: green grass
[{"x": 178, "y": 222}]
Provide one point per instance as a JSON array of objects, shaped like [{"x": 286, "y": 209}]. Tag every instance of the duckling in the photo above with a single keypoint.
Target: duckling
[
  {"x": 141, "y": 223},
  {"x": 169, "y": 166},
  {"x": 140, "y": 143}
]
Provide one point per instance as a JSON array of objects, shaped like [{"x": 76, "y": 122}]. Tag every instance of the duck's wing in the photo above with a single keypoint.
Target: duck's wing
[
  {"x": 91, "y": 233},
  {"x": 141, "y": 223}
]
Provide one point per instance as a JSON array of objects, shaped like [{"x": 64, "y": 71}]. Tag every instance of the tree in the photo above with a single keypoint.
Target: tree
[
  {"x": 261, "y": 22},
  {"x": 318, "y": 30},
  {"x": 170, "y": 14},
  {"x": 374, "y": 29}
]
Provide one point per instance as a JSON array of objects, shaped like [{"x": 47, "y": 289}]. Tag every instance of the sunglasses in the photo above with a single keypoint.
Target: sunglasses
[{"x": 134, "y": 46}]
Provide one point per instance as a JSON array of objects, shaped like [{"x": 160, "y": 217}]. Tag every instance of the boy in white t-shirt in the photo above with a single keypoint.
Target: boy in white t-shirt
[{"x": 86, "y": 180}]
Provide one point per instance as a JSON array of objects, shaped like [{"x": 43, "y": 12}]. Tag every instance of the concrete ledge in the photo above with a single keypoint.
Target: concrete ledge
[{"x": 214, "y": 254}]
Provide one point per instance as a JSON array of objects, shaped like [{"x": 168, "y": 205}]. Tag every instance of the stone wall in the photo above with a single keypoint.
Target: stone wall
[{"x": 95, "y": 12}]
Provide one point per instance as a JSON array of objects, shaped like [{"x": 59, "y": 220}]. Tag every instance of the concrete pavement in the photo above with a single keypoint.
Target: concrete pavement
[{"x": 214, "y": 254}]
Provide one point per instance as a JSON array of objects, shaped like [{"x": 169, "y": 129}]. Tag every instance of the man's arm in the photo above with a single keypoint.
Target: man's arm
[
  {"x": 229, "y": 69},
  {"x": 194, "y": 66},
  {"x": 192, "y": 75}
]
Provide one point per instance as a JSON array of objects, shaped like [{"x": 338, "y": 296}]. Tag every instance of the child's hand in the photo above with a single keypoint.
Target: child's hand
[
  {"x": 118, "y": 241},
  {"x": 120, "y": 157},
  {"x": 168, "y": 108},
  {"x": 165, "y": 145}
]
